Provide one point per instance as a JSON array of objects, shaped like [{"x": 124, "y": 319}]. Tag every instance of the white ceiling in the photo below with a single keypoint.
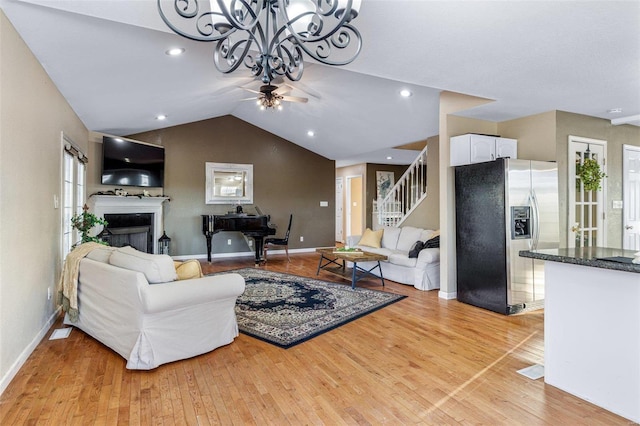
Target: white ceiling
[{"x": 108, "y": 60}]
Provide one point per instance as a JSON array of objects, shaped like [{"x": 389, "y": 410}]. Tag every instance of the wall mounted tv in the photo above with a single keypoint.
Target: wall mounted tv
[{"x": 128, "y": 163}]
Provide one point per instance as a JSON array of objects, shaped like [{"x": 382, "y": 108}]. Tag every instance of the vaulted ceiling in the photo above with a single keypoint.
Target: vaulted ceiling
[{"x": 108, "y": 60}]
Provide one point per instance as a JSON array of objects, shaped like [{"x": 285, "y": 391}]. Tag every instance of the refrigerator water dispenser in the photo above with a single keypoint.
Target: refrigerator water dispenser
[{"x": 520, "y": 222}]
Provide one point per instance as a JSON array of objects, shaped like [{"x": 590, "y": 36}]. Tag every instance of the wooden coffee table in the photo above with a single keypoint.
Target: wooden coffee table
[{"x": 331, "y": 259}]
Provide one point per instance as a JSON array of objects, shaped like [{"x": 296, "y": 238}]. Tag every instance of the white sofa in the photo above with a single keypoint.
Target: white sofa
[
  {"x": 153, "y": 324},
  {"x": 422, "y": 272}
]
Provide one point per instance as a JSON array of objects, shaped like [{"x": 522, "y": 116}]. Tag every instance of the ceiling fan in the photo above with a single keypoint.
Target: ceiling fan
[{"x": 272, "y": 96}]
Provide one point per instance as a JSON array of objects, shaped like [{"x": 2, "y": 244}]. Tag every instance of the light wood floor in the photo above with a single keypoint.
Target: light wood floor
[{"x": 422, "y": 360}]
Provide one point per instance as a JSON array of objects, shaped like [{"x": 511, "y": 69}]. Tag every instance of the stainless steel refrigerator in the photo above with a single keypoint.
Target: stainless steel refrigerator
[{"x": 502, "y": 207}]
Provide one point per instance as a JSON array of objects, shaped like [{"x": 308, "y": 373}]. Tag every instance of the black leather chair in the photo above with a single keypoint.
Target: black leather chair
[{"x": 273, "y": 242}]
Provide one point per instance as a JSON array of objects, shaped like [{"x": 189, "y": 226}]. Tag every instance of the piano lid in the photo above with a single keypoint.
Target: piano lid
[{"x": 236, "y": 222}]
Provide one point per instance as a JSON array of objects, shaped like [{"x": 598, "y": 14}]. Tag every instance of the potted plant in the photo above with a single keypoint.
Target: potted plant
[
  {"x": 83, "y": 222},
  {"x": 590, "y": 174}
]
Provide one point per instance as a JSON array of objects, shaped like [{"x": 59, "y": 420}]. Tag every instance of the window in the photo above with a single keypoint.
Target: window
[{"x": 73, "y": 192}]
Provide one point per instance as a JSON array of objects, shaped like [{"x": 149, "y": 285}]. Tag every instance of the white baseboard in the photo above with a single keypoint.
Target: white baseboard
[
  {"x": 26, "y": 353},
  {"x": 213, "y": 256},
  {"x": 448, "y": 296},
  {"x": 240, "y": 254}
]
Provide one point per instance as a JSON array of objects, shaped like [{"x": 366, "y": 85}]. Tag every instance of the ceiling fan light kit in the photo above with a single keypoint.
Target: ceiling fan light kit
[
  {"x": 271, "y": 96},
  {"x": 269, "y": 37}
]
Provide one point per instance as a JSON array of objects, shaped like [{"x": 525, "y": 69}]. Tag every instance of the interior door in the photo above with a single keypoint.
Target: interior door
[
  {"x": 339, "y": 208},
  {"x": 586, "y": 208},
  {"x": 631, "y": 197},
  {"x": 355, "y": 205}
]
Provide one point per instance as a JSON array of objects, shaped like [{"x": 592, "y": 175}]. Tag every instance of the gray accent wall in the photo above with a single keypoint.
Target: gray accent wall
[{"x": 288, "y": 179}]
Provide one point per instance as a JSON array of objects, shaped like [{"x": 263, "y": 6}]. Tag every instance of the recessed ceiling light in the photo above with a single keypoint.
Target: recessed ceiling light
[
  {"x": 614, "y": 110},
  {"x": 405, "y": 93},
  {"x": 161, "y": 117},
  {"x": 389, "y": 158},
  {"x": 311, "y": 133},
  {"x": 176, "y": 51}
]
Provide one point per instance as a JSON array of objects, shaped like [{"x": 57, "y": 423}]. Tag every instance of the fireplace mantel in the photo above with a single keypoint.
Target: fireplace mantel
[{"x": 115, "y": 204}]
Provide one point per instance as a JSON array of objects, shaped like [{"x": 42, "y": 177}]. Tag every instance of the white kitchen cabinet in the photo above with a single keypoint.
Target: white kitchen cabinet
[
  {"x": 471, "y": 148},
  {"x": 506, "y": 148}
]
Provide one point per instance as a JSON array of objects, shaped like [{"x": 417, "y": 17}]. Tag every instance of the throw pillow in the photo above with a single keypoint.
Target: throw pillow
[
  {"x": 371, "y": 238},
  {"x": 157, "y": 268},
  {"x": 188, "y": 269},
  {"x": 433, "y": 242},
  {"x": 415, "y": 249},
  {"x": 408, "y": 236}
]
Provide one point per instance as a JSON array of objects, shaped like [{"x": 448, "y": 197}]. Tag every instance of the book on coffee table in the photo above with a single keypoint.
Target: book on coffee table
[
  {"x": 350, "y": 254},
  {"x": 349, "y": 251}
]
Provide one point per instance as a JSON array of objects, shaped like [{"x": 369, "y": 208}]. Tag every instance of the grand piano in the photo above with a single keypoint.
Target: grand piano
[{"x": 256, "y": 227}]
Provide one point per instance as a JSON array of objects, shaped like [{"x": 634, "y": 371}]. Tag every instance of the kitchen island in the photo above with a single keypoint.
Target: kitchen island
[{"x": 592, "y": 326}]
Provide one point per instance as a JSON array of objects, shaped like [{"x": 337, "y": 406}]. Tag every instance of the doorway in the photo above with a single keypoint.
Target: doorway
[
  {"x": 586, "y": 207},
  {"x": 354, "y": 203},
  {"x": 630, "y": 197}
]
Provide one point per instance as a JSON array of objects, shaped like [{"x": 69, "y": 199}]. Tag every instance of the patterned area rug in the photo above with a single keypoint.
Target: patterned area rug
[{"x": 286, "y": 310}]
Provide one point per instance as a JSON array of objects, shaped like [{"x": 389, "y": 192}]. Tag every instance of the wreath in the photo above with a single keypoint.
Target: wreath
[{"x": 590, "y": 174}]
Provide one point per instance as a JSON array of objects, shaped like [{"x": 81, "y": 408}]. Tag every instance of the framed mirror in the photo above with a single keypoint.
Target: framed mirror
[{"x": 229, "y": 183}]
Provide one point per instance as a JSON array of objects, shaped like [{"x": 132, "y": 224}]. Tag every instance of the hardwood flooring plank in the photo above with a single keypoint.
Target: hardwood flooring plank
[
  {"x": 135, "y": 399},
  {"x": 422, "y": 360}
]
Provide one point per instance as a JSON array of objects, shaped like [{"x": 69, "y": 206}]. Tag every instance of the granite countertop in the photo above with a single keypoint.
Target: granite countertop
[{"x": 586, "y": 256}]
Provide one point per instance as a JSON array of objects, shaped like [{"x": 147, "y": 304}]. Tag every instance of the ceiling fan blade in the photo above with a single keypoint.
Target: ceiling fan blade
[
  {"x": 226, "y": 89},
  {"x": 249, "y": 99},
  {"x": 223, "y": 91},
  {"x": 306, "y": 89},
  {"x": 250, "y": 90},
  {"x": 283, "y": 89},
  {"x": 295, "y": 99}
]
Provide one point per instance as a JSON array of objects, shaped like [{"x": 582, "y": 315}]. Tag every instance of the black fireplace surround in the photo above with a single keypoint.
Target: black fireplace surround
[{"x": 130, "y": 229}]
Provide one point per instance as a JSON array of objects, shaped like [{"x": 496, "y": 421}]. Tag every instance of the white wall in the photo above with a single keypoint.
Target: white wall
[{"x": 33, "y": 114}]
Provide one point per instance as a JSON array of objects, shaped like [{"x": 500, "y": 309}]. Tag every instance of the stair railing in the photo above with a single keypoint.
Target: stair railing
[{"x": 405, "y": 195}]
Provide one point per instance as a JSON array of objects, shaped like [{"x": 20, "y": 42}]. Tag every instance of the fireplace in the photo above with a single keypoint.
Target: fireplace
[
  {"x": 133, "y": 229},
  {"x": 135, "y": 221}
]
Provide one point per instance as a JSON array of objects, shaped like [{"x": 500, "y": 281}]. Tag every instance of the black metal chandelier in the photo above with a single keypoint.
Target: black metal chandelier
[{"x": 269, "y": 36}]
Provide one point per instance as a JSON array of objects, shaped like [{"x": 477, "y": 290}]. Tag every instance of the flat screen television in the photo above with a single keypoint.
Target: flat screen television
[{"x": 128, "y": 163}]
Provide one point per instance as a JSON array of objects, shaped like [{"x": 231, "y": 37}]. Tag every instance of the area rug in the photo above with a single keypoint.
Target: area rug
[{"x": 286, "y": 310}]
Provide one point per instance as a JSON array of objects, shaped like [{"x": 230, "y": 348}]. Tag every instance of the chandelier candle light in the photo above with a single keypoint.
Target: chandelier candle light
[{"x": 269, "y": 36}]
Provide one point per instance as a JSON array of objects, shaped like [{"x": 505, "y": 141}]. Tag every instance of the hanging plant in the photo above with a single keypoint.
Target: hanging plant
[
  {"x": 83, "y": 222},
  {"x": 590, "y": 174}
]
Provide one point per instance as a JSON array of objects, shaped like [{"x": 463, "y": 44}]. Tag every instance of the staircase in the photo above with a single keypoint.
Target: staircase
[{"x": 405, "y": 195}]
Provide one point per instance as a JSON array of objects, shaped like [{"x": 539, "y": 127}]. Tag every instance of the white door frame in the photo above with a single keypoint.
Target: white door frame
[
  {"x": 630, "y": 199},
  {"x": 573, "y": 225}
]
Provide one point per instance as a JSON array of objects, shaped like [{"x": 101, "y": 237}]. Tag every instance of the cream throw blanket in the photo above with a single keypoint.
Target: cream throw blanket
[{"x": 68, "y": 284}]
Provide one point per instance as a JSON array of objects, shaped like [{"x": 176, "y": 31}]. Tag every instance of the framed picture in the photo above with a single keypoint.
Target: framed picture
[{"x": 384, "y": 183}]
